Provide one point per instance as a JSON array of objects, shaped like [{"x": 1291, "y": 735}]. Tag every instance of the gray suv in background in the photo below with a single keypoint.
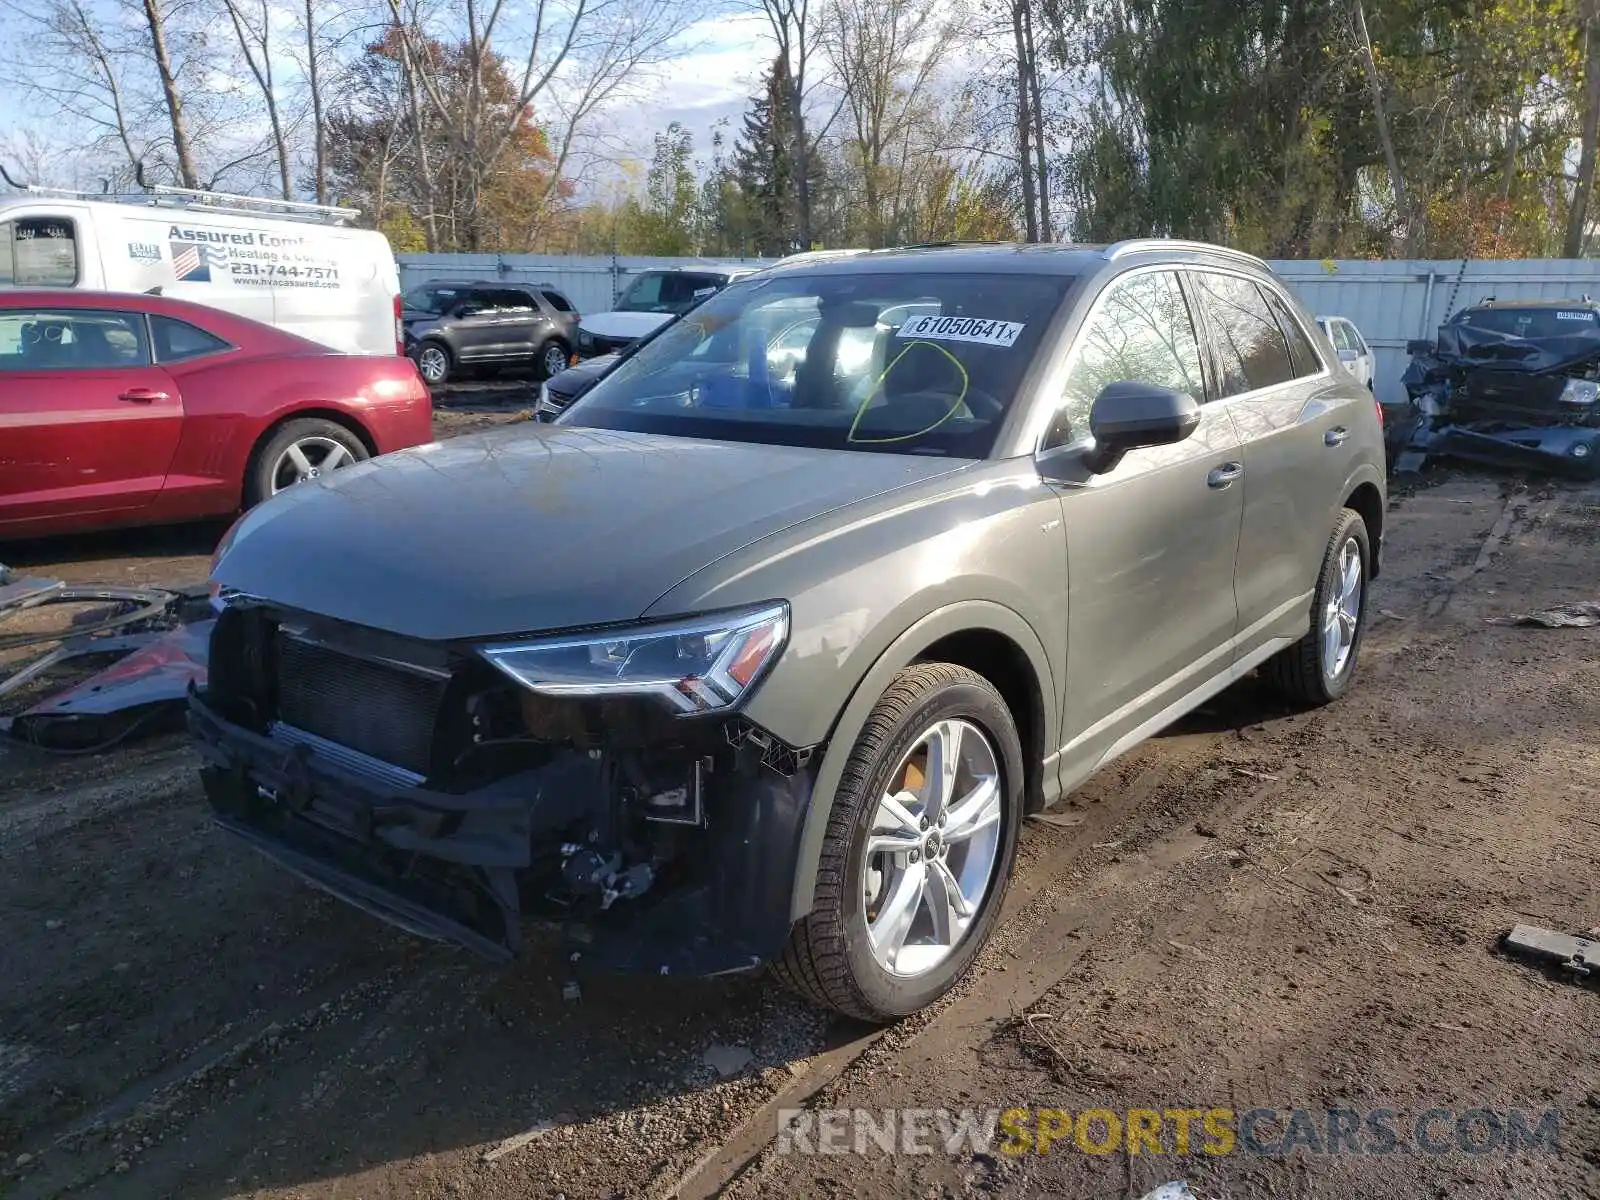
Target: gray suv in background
[
  {"x": 748, "y": 660},
  {"x": 454, "y": 325}
]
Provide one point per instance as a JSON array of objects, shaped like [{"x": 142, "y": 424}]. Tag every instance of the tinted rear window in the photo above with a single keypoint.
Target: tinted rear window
[{"x": 1531, "y": 322}]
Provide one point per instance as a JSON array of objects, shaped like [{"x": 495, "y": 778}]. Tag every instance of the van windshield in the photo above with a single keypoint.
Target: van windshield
[{"x": 906, "y": 363}]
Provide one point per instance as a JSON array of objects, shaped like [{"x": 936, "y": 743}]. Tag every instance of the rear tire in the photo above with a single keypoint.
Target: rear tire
[
  {"x": 324, "y": 445},
  {"x": 832, "y": 958},
  {"x": 1318, "y": 668}
]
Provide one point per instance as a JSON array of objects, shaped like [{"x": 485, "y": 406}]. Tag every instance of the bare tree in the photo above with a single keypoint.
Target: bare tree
[
  {"x": 603, "y": 45},
  {"x": 156, "y": 21},
  {"x": 252, "y": 26},
  {"x": 884, "y": 54}
]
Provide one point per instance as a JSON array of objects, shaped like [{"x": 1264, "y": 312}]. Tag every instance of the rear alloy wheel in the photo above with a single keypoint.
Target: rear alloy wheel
[
  {"x": 433, "y": 363},
  {"x": 918, "y": 850},
  {"x": 552, "y": 358},
  {"x": 298, "y": 452},
  {"x": 1318, "y": 668}
]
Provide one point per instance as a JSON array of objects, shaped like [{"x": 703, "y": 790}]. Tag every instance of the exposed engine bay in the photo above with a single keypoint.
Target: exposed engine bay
[
  {"x": 1515, "y": 386},
  {"x": 423, "y": 785}
]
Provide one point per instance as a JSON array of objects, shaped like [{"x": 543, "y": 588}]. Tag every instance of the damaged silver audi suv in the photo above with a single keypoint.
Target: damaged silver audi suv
[{"x": 760, "y": 652}]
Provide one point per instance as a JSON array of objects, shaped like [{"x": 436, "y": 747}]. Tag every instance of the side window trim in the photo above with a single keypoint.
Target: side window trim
[
  {"x": 1281, "y": 308},
  {"x": 1210, "y": 364}
]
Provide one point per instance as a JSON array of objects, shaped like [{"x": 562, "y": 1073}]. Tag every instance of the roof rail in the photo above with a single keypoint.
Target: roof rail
[
  {"x": 1139, "y": 245},
  {"x": 223, "y": 202}
]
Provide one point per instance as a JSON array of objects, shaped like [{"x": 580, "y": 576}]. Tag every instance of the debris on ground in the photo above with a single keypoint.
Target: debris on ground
[
  {"x": 1563, "y": 616},
  {"x": 727, "y": 1060},
  {"x": 1578, "y": 956},
  {"x": 154, "y": 638}
]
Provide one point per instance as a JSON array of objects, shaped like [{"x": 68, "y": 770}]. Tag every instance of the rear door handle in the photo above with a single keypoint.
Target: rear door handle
[
  {"x": 1335, "y": 436},
  {"x": 1224, "y": 475},
  {"x": 142, "y": 396}
]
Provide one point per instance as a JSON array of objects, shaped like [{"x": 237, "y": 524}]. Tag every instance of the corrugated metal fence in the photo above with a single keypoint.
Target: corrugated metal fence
[
  {"x": 593, "y": 283},
  {"x": 1391, "y": 301}
]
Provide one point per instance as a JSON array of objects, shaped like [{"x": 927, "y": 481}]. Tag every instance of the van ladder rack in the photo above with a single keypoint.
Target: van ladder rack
[{"x": 223, "y": 202}]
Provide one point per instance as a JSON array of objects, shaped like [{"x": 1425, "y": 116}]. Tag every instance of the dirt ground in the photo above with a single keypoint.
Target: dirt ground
[{"x": 1258, "y": 908}]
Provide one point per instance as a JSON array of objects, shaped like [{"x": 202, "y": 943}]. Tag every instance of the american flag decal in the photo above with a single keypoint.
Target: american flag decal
[{"x": 193, "y": 264}]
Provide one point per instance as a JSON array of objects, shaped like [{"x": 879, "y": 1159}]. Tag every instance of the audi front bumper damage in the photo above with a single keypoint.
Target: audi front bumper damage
[{"x": 668, "y": 859}]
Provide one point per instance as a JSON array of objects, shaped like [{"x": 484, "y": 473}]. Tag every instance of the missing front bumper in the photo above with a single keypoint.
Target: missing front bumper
[{"x": 470, "y": 868}]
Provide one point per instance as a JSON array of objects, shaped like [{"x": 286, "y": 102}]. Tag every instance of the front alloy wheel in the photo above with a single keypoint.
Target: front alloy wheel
[
  {"x": 917, "y": 853},
  {"x": 933, "y": 847},
  {"x": 433, "y": 363}
]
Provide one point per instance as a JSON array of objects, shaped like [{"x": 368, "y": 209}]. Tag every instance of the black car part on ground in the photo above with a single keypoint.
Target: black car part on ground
[
  {"x": 455, "y": 804},
  {"x": 155, "y": 637},
  {"x": 1488, "y": 395}
]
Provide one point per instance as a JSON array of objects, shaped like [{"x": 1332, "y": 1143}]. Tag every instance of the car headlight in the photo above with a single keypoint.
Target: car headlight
[
  {"x": 585, "y": 339},
  {"x": 544, "y": 393},
  {"x": 697, "y": 665},
  {"x": 1580, "y": 391}
]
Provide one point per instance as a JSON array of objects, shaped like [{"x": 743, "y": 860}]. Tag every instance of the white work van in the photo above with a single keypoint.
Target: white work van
[{"x": 300, "y": 267}]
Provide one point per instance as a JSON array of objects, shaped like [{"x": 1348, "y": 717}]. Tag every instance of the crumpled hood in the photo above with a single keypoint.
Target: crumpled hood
[
  {"x": 534, "y": 527},
  {"x": 618, "y": 325}
]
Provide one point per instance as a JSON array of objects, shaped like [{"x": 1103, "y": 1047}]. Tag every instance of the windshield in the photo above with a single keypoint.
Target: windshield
[
  {"x": 669, "y": 291},
  {"x": 915, "y": 363},
  {"x": 1531, "y": 322}
]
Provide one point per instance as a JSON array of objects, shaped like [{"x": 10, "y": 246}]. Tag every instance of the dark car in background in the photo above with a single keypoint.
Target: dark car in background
[
  {"x": 1515, "y": 383},
  {"x": 450, "y": 326}
]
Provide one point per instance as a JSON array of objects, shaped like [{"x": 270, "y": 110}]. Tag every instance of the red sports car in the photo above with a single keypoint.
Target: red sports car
[{"x": 137, "y": 410}]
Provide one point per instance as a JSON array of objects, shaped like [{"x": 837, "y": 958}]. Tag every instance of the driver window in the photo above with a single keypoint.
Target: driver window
[{"x": 1142, "y": 332}]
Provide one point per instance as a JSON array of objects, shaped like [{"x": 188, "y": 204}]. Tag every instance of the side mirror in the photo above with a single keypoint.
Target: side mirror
[
  {"x": 1349, "y": 356},
  {"x": 1420, "y": 348},
  {"x": 1127, "y": 416}
]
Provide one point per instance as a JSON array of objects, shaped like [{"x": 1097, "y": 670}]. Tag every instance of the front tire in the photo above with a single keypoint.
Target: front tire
[
  {"x": 434, "y": 362},
  {"x": 552, "y": 358},
  {"x": 918, "y": 849},
  {"x": 1318, "y": 668}
]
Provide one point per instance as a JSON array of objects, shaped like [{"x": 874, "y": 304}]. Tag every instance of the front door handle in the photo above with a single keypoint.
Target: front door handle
[
  {"x": 1335, "y": 436},
  {"x": 142, "y": 396},
  {"x": 1224, "y": 475}
]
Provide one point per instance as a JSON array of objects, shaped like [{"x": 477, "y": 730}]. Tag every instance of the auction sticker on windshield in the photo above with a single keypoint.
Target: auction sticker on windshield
[{"x": 963, "y": 329}]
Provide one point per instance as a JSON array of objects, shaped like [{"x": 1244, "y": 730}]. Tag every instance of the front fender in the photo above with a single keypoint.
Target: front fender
[{"x": 907, "y": 648}]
